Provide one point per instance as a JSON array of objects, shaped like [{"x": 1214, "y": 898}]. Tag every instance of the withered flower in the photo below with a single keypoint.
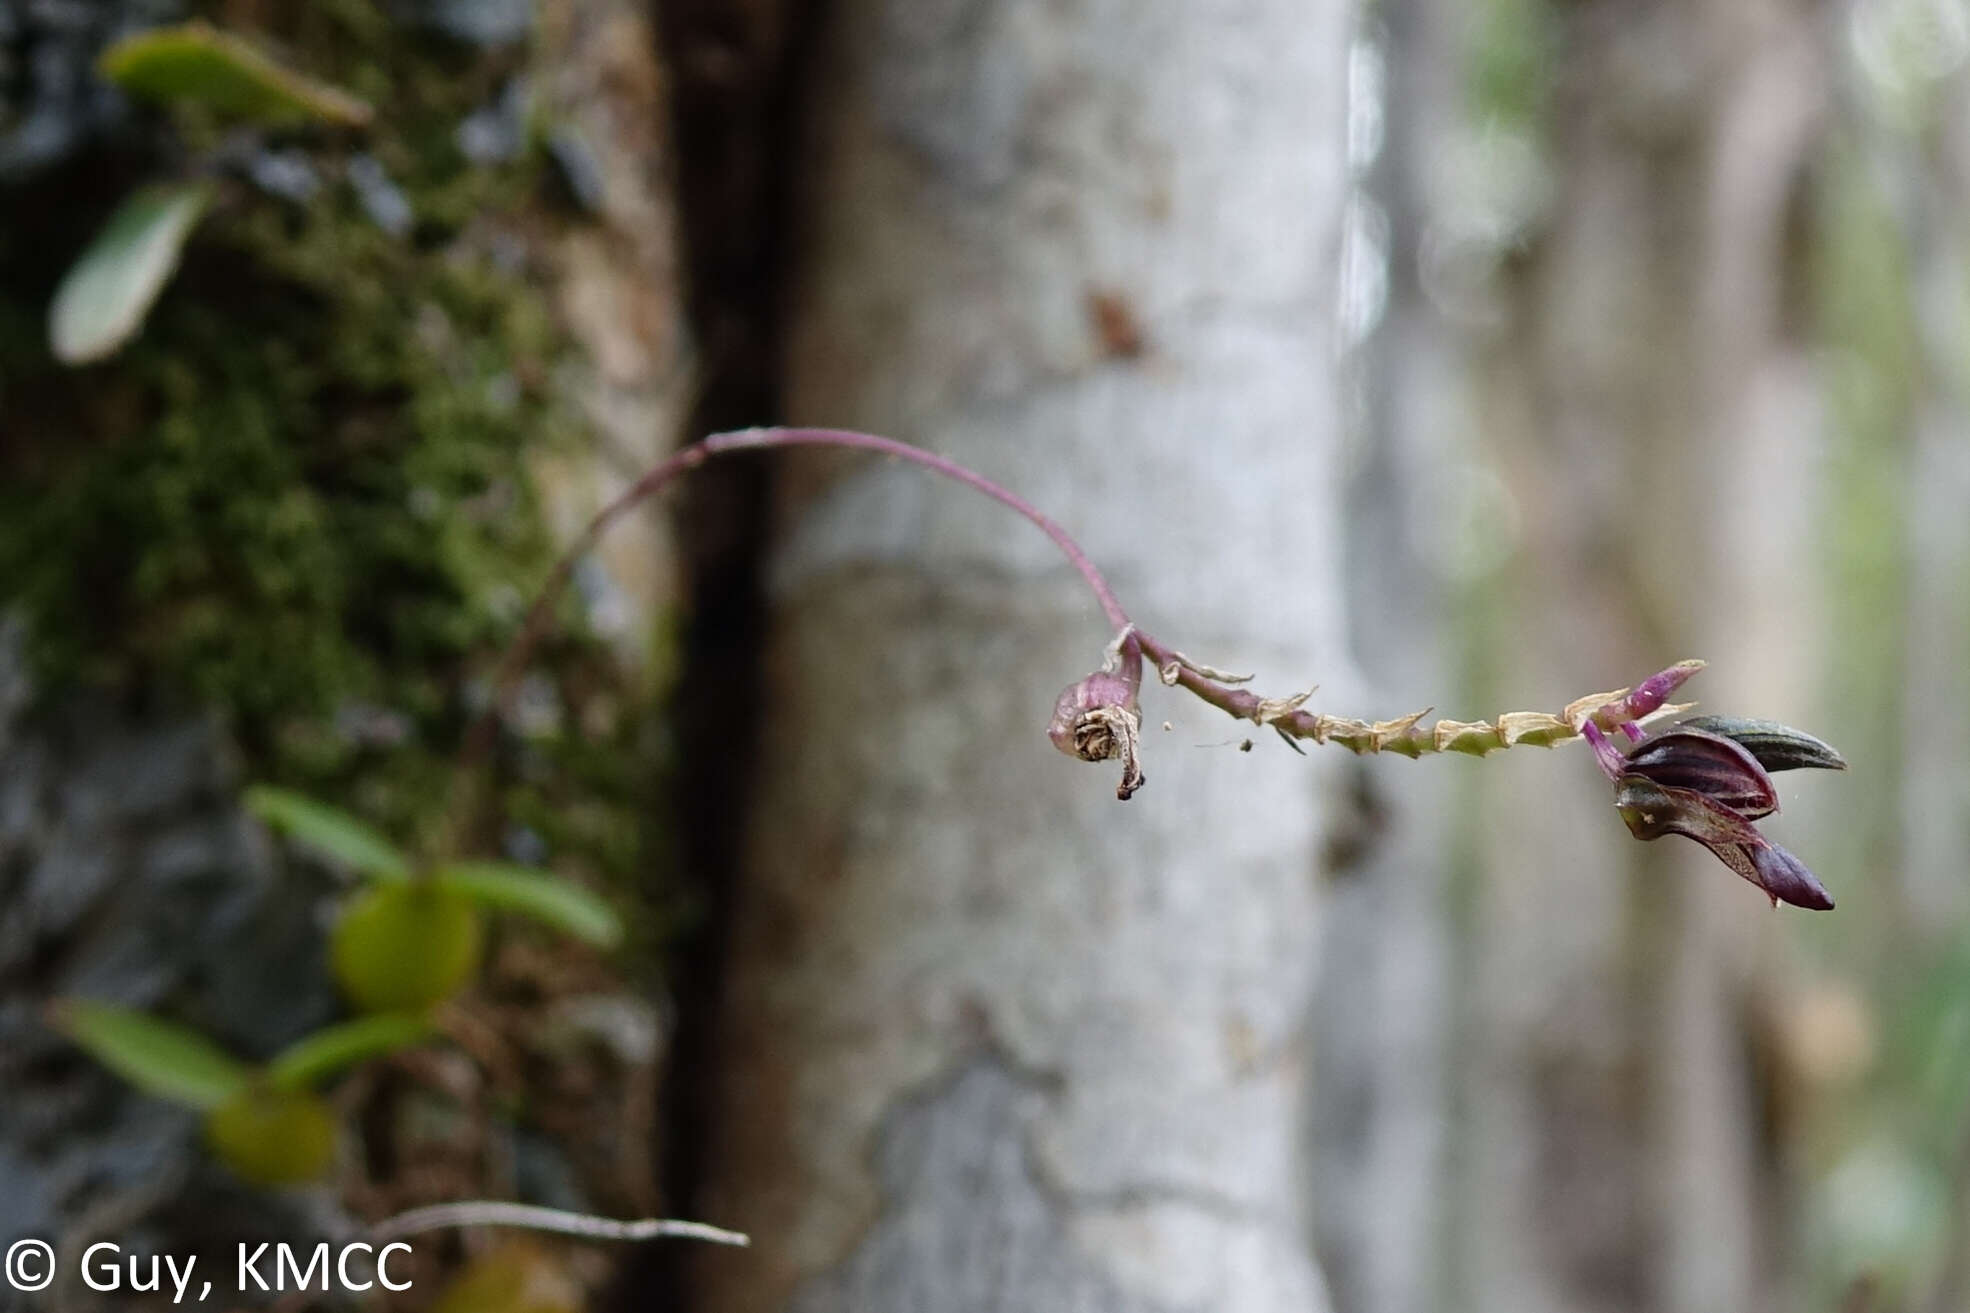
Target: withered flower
[
  {"x": 1096, "y": 718},
  {"x": 1708, "y": 779}
]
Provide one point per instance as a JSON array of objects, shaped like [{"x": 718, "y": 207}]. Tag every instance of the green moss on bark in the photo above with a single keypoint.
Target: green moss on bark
[{"x": 300, "y": 496}]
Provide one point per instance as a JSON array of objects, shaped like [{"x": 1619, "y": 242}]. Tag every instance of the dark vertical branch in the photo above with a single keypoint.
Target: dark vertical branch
[{"x": 735, "y": 101}]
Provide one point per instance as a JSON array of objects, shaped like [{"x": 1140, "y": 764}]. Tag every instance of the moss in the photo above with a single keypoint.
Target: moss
[
  {"x": 299, "y": 497},
  {"x": 319, "y": 479}
]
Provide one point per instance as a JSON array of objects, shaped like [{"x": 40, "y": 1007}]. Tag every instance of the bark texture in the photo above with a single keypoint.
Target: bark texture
[
  {"x": 619, "y": 289},
  {"x": 992, "y": 1039}
]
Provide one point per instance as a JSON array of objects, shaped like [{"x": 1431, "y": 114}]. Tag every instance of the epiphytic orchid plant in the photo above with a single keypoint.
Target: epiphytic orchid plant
[{"x": 1705, "y": 778}]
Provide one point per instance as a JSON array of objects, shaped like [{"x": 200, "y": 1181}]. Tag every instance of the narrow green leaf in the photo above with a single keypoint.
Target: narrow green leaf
[
  {"x": 329, "y": 831},
  {"x": 194, "y": 62},
  {"x": 158, "y": 1057},
  {"x": 545, "y": 897},
  {"x": 326, "y": 1052},
  {"x": 104, "y": 297}
]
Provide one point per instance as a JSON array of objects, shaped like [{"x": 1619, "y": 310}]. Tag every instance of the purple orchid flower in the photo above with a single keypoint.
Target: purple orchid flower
[{"x": 1708, "y": 779}]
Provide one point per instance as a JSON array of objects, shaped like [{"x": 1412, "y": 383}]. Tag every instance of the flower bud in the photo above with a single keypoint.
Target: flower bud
[{"x": 1651, "y": 693}]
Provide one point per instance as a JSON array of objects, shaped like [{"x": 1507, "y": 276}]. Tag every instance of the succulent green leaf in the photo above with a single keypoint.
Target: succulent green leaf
[
  {"x": 329, "y": 831},
  {"x": 197, "y": 63},
  {"x": 105, "y": 295},
  {"x": 403, "y": 947},
  {"x": 545, "y": 897},
  {"x": 274, "y": 1137},
  {"x": 326, "y": 1052},
  {"x": 158, "y": 1057}
]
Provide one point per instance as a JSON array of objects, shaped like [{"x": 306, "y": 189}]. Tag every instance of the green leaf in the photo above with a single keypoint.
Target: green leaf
[
  {"x": 545, "y": 897},
  {"x": 158, "y": 1057},
  {"x": 326, "y": 1052},
  {"x": 104, "y": 297},
  {"x": 196, "y": 63},
  {"x": 328, "y": 830}
]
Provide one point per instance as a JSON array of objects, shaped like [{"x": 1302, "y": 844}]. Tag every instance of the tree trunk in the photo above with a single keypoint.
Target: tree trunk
[
  {"x": 993, "y": 1039},
  {"x": 1382, "y": 1017},
  {"x": 1648, "y": 400}
]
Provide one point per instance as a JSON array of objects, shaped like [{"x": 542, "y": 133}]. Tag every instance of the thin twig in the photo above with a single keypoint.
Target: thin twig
[
  {"x": 493, "y": 1212},
  {"x": 533, "y": 628}
]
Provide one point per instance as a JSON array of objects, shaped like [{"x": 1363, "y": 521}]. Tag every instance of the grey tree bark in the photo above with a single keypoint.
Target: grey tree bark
[{"x": 993, "y": 1039}]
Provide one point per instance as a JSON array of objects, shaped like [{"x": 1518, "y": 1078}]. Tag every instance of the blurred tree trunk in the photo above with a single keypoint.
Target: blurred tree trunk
[
  {"x": 993, "y": 1039},
  {"x": 1382, "y": 1018},
  {"x": 1648, "y": 401}
]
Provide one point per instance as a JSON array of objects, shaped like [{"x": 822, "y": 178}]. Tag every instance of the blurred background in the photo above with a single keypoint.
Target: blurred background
[{"x": 1474, "y": 356}]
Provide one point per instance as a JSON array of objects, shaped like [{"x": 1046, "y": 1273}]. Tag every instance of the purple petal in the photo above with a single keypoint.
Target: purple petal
[
  {"x": 1652, "y": 810},
  {"x": 1742, "y": 860},
  {"x": 1716, "y": 767},
  {"x": 1606, "y": 755},
  {"x": 1787, "y": 880}
]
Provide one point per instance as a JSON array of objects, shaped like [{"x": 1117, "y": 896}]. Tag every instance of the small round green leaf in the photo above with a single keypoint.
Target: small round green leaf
[
  {"x": 402, "y": 947},
  {"x": 274, "y": 1137}
]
